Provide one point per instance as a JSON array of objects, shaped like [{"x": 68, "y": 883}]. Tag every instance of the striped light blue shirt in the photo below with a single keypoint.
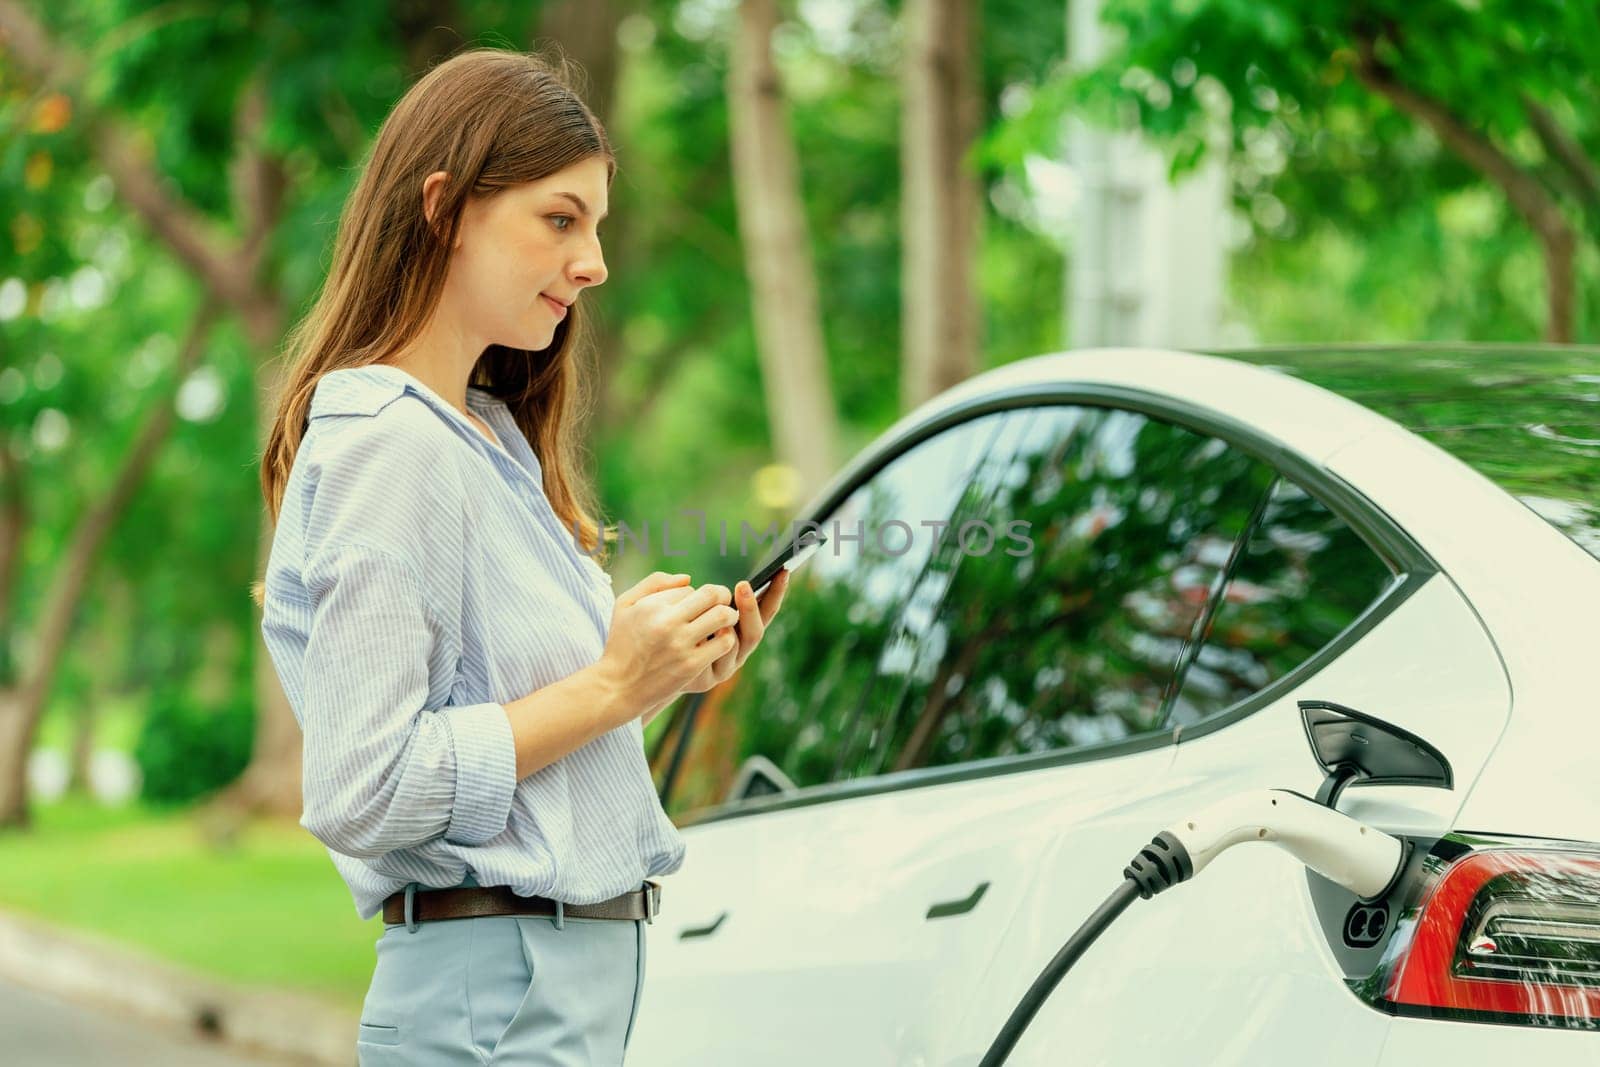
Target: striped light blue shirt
[{"x": 418, "y": 580}]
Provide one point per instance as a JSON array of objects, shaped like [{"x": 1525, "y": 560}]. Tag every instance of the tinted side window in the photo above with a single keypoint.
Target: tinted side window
[
  {"x": 1074, "y": 642},
  {"x": 1302, "y": 578},
  {"x": 1085, "y": 554}
]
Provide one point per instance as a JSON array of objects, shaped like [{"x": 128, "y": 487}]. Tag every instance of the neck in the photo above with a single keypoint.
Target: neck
[{"x": 441, "y": 356}]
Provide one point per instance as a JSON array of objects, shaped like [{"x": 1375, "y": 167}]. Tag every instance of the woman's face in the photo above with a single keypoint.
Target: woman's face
[{"x": 525, "y": 251}]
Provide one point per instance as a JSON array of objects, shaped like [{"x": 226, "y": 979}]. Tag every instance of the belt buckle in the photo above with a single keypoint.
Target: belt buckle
[
  {"x": 411, "y": 896},
  {"x": 652, "y": 900}
]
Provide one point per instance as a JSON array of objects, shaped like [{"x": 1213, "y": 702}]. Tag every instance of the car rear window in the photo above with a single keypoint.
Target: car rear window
[{"x": 1526, "y": 418}]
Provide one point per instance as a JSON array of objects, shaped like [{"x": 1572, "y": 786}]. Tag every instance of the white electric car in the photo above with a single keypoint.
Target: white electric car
[{"x": 1082, "y": 595}]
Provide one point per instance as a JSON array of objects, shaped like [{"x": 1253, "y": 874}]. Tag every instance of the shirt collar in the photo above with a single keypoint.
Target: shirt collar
[{"x": 368, "y": 389}]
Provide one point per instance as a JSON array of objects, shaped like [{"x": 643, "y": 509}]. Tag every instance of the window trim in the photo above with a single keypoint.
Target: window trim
[{"x": 1410, "y": 564}]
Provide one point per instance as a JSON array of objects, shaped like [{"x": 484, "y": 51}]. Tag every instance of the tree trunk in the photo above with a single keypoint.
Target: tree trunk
[
  {"x": 102, "y": 650},
  {"x": 1559, "y": 245},
  {"x": 13, "y": 527},
  {"x": 941, "y": 202},
  {"x": 18, "y": 724},
  {"x": 81, "y": 759},
  {"x": 426, "y": 29},
  {"x": 585, "y": 31},
  {"x": 1526, "y": 193},
  {"x": 778, "y": 259}
]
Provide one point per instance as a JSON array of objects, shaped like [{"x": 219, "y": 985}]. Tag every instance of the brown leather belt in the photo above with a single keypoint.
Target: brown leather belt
[{"x": 467, "y": 902}]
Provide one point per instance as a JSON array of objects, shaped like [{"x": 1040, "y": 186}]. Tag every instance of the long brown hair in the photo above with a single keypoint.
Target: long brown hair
[{"x": 491, "y": 119}]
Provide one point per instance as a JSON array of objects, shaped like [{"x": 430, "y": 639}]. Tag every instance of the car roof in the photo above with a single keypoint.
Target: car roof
[
  {"x": 1527, "y": 417},
  {"x": 1310, "y": 420}
]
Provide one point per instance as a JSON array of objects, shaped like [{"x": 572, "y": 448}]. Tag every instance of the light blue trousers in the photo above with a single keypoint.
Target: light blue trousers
[{"x": 507, "y": 990}]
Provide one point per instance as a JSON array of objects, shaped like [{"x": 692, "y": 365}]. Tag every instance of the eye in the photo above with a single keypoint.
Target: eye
[{"x": 562, "y": 218}]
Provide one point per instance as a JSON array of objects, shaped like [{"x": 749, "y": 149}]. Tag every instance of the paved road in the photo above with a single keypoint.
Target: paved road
[{"x": 38, "y": 1029}]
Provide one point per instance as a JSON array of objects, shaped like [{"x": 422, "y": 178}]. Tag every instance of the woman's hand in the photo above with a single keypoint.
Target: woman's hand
[
  {"x": 754, "y": 616},
  {"x": 657, "y": 644}
]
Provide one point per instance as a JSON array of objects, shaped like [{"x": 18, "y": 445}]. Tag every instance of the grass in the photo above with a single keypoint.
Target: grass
[{"x": 269, "y": 910}]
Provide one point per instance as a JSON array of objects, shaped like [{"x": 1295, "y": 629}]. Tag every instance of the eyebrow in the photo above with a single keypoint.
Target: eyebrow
[{"x": 576, "y": 199}]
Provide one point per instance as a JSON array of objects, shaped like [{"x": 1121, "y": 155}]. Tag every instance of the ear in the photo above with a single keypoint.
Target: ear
[{"x": 432, "y": 190}]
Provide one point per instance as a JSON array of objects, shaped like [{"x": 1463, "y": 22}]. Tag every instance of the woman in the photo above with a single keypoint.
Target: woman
[{"x": 470, "y": 692}]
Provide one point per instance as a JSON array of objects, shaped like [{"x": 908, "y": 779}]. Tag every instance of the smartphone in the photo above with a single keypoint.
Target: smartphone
[{"x": 795, "y": 552}]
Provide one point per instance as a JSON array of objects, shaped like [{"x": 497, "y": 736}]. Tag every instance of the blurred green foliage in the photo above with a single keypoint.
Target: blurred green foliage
[
  {"x": 1357, "y": 222},
  {"x": 188, "y": 748}
]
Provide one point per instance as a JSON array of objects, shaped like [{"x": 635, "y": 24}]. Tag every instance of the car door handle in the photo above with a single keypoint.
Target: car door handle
[
  {"x": 689, "y": 932},
  {"x": 958, "y": 907}
]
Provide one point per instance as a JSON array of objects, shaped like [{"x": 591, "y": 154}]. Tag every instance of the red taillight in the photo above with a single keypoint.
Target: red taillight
[{"x": 1512, "y": 934}]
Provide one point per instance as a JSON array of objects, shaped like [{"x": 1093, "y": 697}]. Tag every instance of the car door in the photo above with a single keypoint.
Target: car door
[
  {"x": 785, "y": 914},
  {"x": 952, "y": 729}
]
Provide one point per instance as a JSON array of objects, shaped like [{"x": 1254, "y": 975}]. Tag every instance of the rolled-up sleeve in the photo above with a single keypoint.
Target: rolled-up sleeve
[{"x": 382, "y": 770}]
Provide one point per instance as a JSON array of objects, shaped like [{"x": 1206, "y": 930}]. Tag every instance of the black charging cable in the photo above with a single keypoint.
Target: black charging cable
[{"x": 1161, "y": 864}]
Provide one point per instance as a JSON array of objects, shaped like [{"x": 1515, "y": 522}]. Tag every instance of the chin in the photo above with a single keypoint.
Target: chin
[{"x": 533, "y": 341}]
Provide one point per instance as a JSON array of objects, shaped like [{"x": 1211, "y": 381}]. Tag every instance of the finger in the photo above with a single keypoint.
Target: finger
[
  {"x": 720, "y": 645},
  {"x": 774, "y": 597},
  {"x": 671, "y": 595},
  {"x": 653, "y": 583},
  {"x": 744, "y": 598},
  {"x": 750, "y": 624},
  {"x": 715, "y": 619},
  {"x": 704, "y": 598},
  {"x": 747, "y": 644},
  {"x": 726, "y": 664}
]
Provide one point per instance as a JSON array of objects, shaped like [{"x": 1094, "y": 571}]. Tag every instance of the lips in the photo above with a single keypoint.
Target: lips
[{"x": 554, "y": 305}]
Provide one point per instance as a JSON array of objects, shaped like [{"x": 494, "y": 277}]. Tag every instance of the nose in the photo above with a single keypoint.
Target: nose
[{"x": 590, "y": 267}]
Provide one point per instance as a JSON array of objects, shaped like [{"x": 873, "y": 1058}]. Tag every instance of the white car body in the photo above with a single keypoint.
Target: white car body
[{"x": 823, "y": 952}]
